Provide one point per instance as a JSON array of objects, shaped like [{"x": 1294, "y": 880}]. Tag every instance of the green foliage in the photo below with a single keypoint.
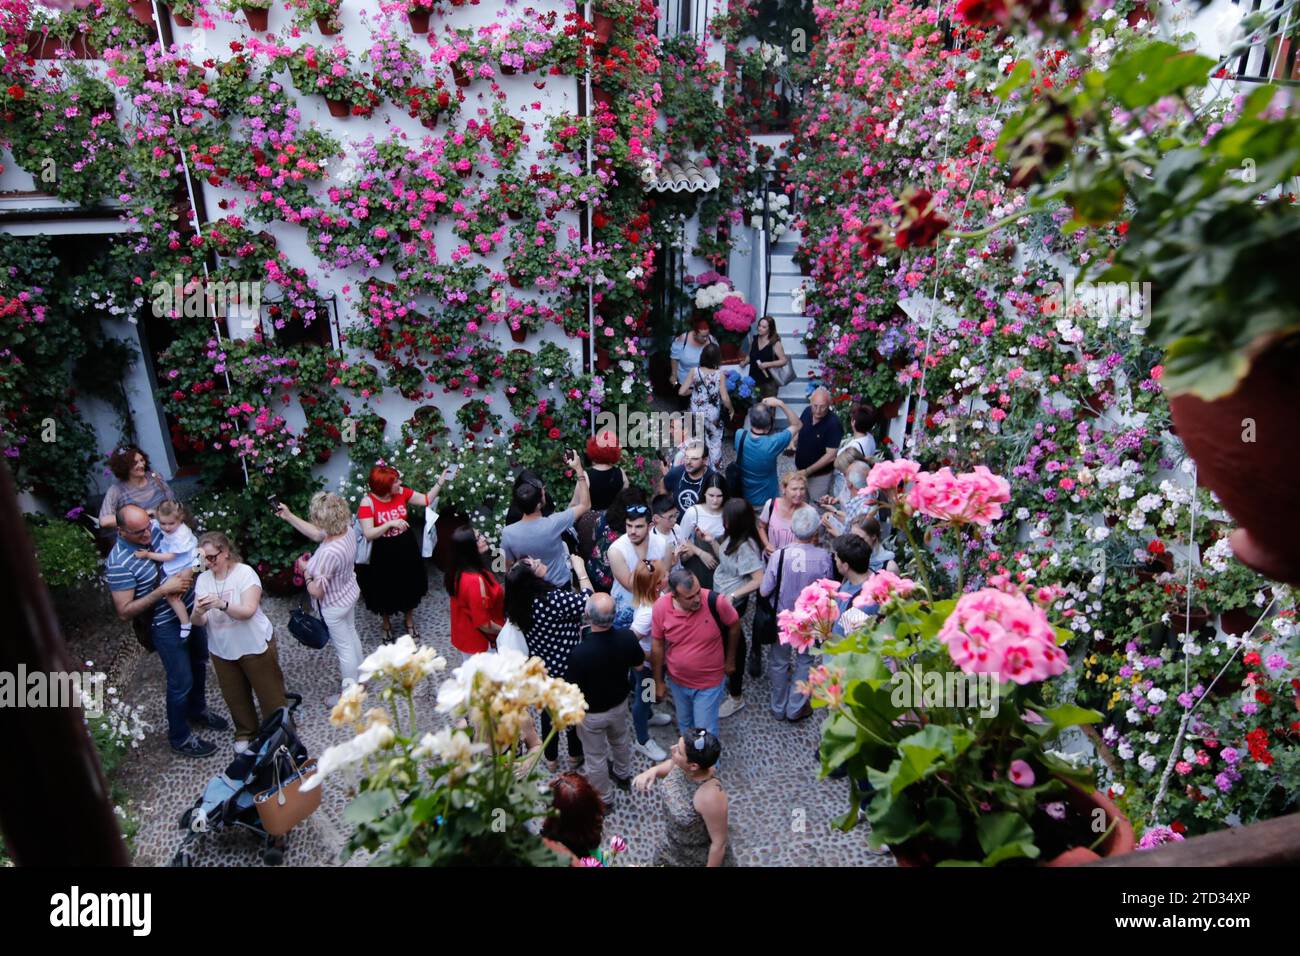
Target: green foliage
[{"x": 65, "y": 551}]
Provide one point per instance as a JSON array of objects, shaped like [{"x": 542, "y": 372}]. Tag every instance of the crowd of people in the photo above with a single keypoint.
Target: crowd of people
[{"x": 639, "y": 596}]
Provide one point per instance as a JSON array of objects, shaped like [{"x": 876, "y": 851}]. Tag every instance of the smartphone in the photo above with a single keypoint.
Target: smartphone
[
  {"x": 275, "y": 502},
  {"x": 452, "y": 470}
]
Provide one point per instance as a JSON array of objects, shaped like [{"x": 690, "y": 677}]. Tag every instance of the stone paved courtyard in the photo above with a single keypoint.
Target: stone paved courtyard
[{"x": 780, "y": 811}]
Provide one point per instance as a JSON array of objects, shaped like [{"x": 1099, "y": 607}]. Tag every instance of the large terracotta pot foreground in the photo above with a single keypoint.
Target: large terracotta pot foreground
[
  {"x": 1255, "y": 479},
  {"x": 1119, "y": 840}
]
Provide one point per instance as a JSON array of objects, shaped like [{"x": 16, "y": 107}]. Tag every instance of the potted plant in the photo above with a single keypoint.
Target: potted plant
[
  {"x": 940, "y": 707},
  {"x": 417, "y": 14},
  {"x": 459, "y": 797},
  {"x": 315, "y": 70},
  {"x": 733, "y": 320},
  {"x": 323, "y": 13},
  {"x": 257, "y": 12},
  {"x": 184, "y": 11}
]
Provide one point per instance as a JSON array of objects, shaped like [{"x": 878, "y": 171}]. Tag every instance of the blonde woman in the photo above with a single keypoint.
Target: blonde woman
[
  {"x": 647, "y": 584},
  {"x": 774, "y": 519},
  {"x": 331, "y": 576},
  {"x": 240, "y": 636}
]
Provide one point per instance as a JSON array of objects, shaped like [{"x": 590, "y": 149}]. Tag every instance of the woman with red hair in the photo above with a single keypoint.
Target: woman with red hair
[
  {"x": 394, "y": 580},
  {"x": 604, "y": 477},
  {"x": 574, "y": 829}
]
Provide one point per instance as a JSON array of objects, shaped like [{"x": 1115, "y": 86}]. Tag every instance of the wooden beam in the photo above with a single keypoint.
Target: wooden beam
[{"x": 1270, "y": 843}]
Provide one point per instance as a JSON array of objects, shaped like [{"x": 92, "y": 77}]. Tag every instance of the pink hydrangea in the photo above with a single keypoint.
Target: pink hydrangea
[{"x": 994, "y": 632}]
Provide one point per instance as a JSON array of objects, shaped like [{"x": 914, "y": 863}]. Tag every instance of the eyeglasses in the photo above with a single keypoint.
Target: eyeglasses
[
  {"x": 638, "y": 510},
  {"x": 136, "y": 530},
  {"x": 209, "y": 558}
]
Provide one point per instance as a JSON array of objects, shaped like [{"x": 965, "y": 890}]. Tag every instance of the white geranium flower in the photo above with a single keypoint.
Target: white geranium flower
[
  {"x": 1147, "y": 762},
  {"x": 1125, "y": 750},
  {"x": 375, "y": 738}
]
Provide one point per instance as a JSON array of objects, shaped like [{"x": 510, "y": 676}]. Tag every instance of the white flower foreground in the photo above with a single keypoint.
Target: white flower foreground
[{"x": 460, "y": 796}]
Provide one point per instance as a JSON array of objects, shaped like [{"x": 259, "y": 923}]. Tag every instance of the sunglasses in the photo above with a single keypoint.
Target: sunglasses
[
  {"x": 638, "y": 510},
  {"x": 209, "y": 558}
]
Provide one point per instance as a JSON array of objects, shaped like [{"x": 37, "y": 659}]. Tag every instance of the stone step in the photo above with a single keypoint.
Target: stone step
[{"x": 784, "y": 283}]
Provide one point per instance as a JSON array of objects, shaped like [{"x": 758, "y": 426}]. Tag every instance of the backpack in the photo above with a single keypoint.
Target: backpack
[{"x": 597, "y": 558}]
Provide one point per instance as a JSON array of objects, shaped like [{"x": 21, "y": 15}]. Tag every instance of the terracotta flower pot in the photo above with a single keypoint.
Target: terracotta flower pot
[
  {"x": 338, "y": 108},
  {"x": 516, "y": 281},
  {"x": 1138, "y": 13},
  {"x": 182, "y": 20},
  {"x": 731, "y": 353},
  {"x": 520, "y": 334},
  {"x": 603, "y": 359},
  {"x": 602, "y": 96},
  {"x": 514, "y": 214},
  {"x": 1118, "y": 841},
  {"x": 258, "y": 17},
  {"x": 1255, "y": 479},
  {"x": 460, "y": 74},
  {"x": 507, "y": 70},
  {"x": 325, "y": 28},
  {"x": 889, "y": 410},
  {"x": 419, "y": 20},
  {"x": 604, "y": 27},
  {"x": 805, "y": 268},
  {"x": 1239, "y": 620},
  {"x": 142, "y": 10}
]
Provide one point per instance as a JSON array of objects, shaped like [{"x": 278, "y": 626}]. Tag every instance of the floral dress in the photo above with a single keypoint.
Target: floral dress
[
  {"x": 687, "y": 837},
  {"x": 706, "y": 403}
]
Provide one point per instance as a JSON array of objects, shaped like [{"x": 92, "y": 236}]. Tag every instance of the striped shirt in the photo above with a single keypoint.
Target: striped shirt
[
  {"x": 335, "y": 564},
  {"x": 126, "y": 572}
]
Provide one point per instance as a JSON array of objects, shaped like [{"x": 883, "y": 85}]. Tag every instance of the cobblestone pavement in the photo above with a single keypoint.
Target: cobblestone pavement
[{"x": 780, "y": 811}]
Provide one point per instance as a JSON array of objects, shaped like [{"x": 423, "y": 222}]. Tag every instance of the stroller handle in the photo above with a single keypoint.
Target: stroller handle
[{"x": 294, "y": 700}]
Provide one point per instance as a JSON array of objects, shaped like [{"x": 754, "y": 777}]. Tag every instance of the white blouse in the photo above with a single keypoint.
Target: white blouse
[{"x": 228, "y": 638}]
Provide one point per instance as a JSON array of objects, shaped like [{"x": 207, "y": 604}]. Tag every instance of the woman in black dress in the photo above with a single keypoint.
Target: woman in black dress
[
  {"x": 604, "y": 476},
  {"x": 551, "y": 620},
  {"x": 766, "y": 352},
  {"x": 394, "y": 580}
]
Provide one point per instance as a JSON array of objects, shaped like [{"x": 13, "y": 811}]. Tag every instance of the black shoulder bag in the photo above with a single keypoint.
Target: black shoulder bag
[
  {"x": 733, "y": 473},
  {"x": 764, "y": 628}
]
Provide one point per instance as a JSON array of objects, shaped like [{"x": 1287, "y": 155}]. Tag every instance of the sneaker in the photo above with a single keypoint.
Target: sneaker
[
  {"x": 623, "y": 783},
  {"x": 242, "y": 747},
  {"x": 652, "y": 750},
  {"x": 660, "y": 720},
  {"x": 730, "y": 706},
  {"x": 803, "y": 713},
  {"x": 210, "y": 721},
  {"x": 196, "y": 747}
]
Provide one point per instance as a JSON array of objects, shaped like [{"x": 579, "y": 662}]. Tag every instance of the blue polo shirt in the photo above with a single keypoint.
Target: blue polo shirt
[
  {"x": 758, "y": 464},
  {"x": 817, "y": 439},
  {"x": 126, "y": 572}
]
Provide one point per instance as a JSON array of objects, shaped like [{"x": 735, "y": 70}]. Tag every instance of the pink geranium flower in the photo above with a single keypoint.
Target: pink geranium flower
[{"x": 1021, "y": 774}]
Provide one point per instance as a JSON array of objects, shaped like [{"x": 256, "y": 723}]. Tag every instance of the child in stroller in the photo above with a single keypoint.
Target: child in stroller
[{"x": 276, "y": 758}]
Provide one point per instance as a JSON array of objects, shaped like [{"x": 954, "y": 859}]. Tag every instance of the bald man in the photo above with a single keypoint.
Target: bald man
[
  {"x": 818, "y": 443},
  {"x": 599, "y": 665},
  {"x": 139, "y": 596}
]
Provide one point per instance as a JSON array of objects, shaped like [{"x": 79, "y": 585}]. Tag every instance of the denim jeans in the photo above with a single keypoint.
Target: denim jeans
[
  {"x": 640, "y": 706},
  {"x": 697, "y": 707},
  {"x": 186, "y": 665}
]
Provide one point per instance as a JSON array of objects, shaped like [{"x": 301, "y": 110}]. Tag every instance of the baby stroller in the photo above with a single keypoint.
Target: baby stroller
[{"x": 275, "y": 758}]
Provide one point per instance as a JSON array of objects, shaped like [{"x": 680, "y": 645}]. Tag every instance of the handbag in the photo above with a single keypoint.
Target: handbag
[
  {"x": 363, "y": 543},
  {"x": 430, "y": 539},
  {"x": 284, "y": 806},
  {"x": 510, "y": 638},
  {"x": 783, "y": 374},
  {"x": 733, "y": 474},
  {"x": 310, "y": 631},
  {"x": 764, "y": 627}
]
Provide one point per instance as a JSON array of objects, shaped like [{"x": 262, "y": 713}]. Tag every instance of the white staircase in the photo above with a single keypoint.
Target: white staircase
[{"x": 785, "y": 279}]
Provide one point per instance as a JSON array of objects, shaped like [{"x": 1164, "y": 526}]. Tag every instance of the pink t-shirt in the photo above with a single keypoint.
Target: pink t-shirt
[{"x": 696, "y": 654}]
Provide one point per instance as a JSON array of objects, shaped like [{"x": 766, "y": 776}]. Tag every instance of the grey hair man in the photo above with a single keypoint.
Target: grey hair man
[
  {"x": 599, "y": 665},
  {"x": 818, "y": 443},
  {"x": 851, "y": 502},
  {"x": 759, "y": 448},
  {"x": 796, "y": 566}
]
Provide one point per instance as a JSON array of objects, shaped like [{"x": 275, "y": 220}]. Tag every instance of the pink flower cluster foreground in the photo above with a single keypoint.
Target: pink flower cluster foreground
[
  {"x": 815, "y": 613},
  {"x": 997, "y": 632},
  {"x": 881, "y": 586},
  {"x": 973, "y": 497}
]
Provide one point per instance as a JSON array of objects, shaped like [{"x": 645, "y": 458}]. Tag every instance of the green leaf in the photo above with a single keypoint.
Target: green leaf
[
  {"x": 1005, "y": 836},
  {"x": 892, "y": 821},
  {"x": 1068, "y": 715},
  {"x": 1018, "y": 78},
  {"x": 1145, "y": 74},
  {"x": 945, "y": 823},
  {"x": 369, "y": 807}
]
